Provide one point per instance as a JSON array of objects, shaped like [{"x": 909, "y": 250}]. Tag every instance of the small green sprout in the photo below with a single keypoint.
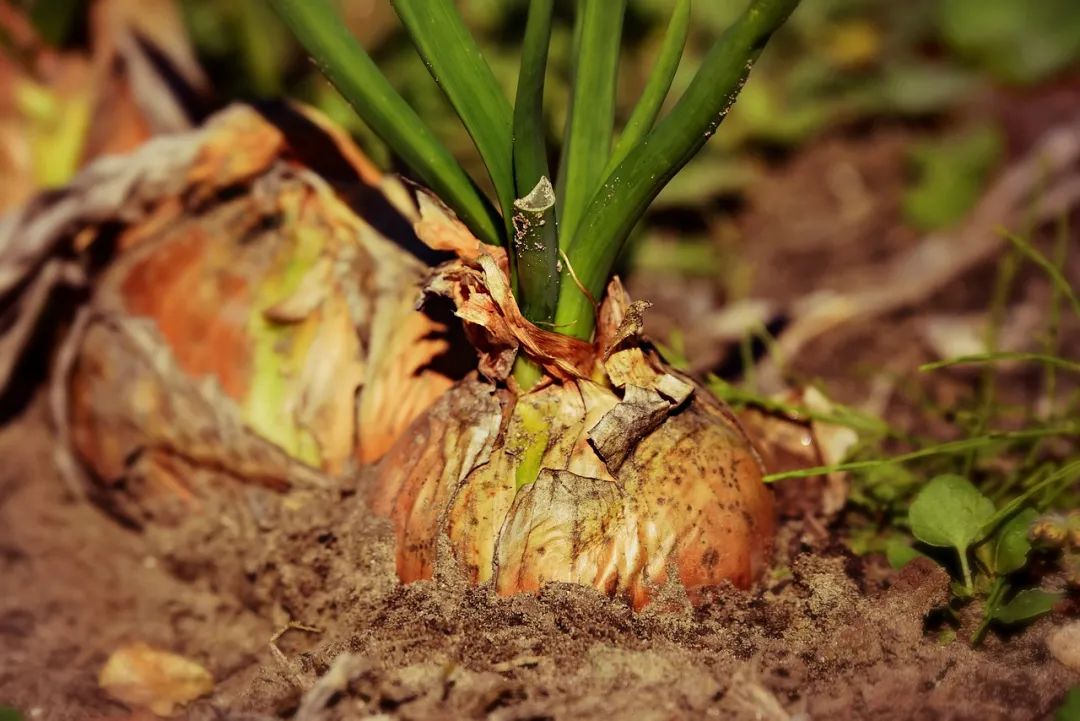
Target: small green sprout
[{"x": 951, "y": 513}]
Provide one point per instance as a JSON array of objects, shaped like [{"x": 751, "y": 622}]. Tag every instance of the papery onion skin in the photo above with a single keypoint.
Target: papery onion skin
[
  {"x": 688, "y": 499},
  {"x": 248, "y": 322}
]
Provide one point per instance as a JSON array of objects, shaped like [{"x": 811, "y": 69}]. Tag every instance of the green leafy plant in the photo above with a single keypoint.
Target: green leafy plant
[
  {"x": 951, "y": 513},
  {"x": 993, "y": 499},
  {"x": 562, "y": 252}
]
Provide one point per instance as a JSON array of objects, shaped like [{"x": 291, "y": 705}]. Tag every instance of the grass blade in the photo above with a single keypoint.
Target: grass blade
[
  {"x": 625, "y": 195},
  {"x": 964, "y": 444},
  {"x": 590, "y": 124},
  {"x": 535, "y": 243},
  {"x": 454, "y": 60},
  {"x": 1056, "y": 277},
  {"x": 657, "y": 86},
  {"x": 1048, "y": 360},
  {"x": 352, "y": 71},
  {"x": 1066, "y": 473}
]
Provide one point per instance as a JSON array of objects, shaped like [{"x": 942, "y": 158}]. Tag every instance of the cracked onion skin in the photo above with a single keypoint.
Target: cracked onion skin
[
  {"x": 614, "y": 472},
  {"x": 688, "y": 498}
]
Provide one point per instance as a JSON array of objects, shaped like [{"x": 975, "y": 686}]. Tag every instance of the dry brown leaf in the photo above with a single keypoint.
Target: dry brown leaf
[
  {"x": 790, "y": 443},
  {"x": 481, "y": 294},
  {"x": 142, "y": 676}
]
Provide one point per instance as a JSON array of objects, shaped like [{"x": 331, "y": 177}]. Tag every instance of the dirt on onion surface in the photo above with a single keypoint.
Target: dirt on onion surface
[{"x": 301, "y": 615}]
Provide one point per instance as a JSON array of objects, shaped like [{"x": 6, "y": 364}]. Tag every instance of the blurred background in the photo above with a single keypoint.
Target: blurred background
[{"x": 867, "y": 123}]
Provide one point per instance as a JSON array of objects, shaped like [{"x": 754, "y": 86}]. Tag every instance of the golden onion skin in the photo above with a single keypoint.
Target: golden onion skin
[{"x": 688, "y": 499}]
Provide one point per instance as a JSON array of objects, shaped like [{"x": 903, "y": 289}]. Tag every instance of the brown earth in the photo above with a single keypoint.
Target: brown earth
[{"x": 836, "y": 637}]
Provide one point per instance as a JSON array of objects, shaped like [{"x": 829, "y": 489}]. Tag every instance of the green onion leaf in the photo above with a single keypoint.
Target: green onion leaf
[
  {"x": 625, "y": 195},
  {"x": 656, "y": 87},
  {"x": 454, "y": 60},
  {"x": 589, "y": 127},
  {"x": 352, "y": 71},
  {"x": 536, "y": 248},
  {"x": 535, "y": 244}
]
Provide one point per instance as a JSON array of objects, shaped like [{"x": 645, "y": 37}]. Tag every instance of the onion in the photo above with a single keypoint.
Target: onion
[
  {"x": 615, "y": 473},
  {"x": 262, "y": 332}
]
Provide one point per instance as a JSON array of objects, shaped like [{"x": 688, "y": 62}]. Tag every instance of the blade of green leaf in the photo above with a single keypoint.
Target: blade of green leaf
[
  {"x": 530, "y": 150},
  {"x": 1056, "y": 276},
  {"x": 963, "y": 444},
  {"x": 590, "y": 124},
  {"x": 535, "y": 255},
  {"x": 948, "y": 512},
  {"x": 617, "y": 206},
  {"x": 652, "y": 98},
  {"x": 1003, "y": 356},
  {"x": 454, "y": 60},
  {"x": 352, "y": 71}
]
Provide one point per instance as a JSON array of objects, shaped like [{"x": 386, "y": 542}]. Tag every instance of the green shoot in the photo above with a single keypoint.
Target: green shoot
[
  {"x": 561, "y": 255},
  {"x": 535, "y": 239},
  {"x": 627, "y": 192},
  {"x": 454, "y": 61},
  {"x": 652, "y": 98},
  {"x": 587, "y": 142},
  {"x": 941, "y": 449},
  {"x": 1061, "y": 284},
  {"x": 1002, "y": 356},
  {"x": 1053, "y": 323},
  {"x": 353, "y": 72}
]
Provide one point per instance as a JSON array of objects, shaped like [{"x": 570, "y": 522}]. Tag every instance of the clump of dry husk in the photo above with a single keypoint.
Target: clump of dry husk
[
  {"x": 249, "y": 320},
  {"x": 615, "y": 472}
]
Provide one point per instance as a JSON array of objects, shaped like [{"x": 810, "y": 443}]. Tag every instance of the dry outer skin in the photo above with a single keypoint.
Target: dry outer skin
[
  {"x": 620, "y": 482},
  {"x": 248, "y": 326},
  {"x": 78, "y": 586}
]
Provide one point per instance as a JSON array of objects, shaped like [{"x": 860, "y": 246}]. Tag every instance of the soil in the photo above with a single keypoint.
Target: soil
[
  {"x": 831, "y": 636},
  {"x": 303, "y": 616}
]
